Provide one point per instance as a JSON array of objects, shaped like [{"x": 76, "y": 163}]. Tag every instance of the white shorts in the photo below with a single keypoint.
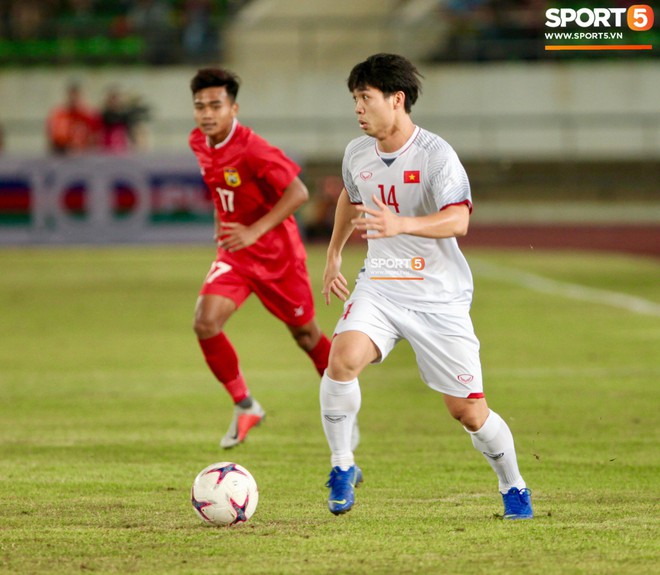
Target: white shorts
[{"x": 445, "y": 345}]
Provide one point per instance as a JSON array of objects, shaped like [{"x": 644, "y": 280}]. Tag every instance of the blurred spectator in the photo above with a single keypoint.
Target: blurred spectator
[
  {"x": 81, "y": 12},
  {"x": 200, "y": 38},
  {"x": 115, "y": 128},
  {"x": 27, "y": 18},
  {"x": 93, "y": 32},
  {"x": 484, "y": 30},
  {"x": 154, "y": 21},
  {"x": 123, "y": 121},
  {"x": 321, "y": 210},
  {"x": 470, "y": 21},
  {"x": 519, "y": 25},
  {"x": 138, "y": 116},
  {"x": 72, "y": 127},
  {"x": 78, "y": 18}
]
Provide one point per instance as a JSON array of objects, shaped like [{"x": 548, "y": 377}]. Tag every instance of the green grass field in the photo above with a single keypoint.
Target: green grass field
[{"x": 107, "y": 413}]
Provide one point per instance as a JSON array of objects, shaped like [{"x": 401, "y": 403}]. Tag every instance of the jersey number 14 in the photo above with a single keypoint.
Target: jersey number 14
[{"x": 390, "y": 200}]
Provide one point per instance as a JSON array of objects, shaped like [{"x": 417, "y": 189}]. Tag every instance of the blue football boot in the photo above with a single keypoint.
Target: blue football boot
[
  {"x": 518, "y": 504},
  {"x": 342, "y": 485}
]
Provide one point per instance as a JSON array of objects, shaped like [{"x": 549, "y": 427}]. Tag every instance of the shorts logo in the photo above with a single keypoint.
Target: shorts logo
[
  {"x": 334, "y": 418},
  {"x": 465, "y": 378},
  {"x": 300, "y": 310},
  {"x": 232, "y": 178},
  {"x": 366, "y": 175}
]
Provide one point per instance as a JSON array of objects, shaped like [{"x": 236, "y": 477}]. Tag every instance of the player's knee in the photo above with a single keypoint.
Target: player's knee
[
  {"x": 304, "y": 339},
  {"x": 469, "y": 421},
  {"x": 306, "y": 336},
  {"x": 349, "y": 356},
  {"x": 470, "y": 413},
  {"x": 344, "y": 366},
  {"x": 205, "y": 327}
]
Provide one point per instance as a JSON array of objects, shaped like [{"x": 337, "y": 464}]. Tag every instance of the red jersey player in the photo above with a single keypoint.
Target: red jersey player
[{"x": 256, "y": 190}]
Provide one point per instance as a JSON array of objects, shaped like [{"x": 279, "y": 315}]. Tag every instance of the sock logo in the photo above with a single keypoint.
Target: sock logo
[
  {"x": 493, "y": 456},
  {"x": 334, "y": 418}
]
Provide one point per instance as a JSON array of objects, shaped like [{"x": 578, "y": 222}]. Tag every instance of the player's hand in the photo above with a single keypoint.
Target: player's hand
[
  {"x": 382, "y": 223},
  {"x": 234, "y": 236},
  {"x": 334, "y": 282}
]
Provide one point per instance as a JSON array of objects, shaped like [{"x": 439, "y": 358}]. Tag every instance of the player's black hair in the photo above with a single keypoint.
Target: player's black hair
[
  {"x": 388, "y": 73},
  {"x": 216, "y": 78}
]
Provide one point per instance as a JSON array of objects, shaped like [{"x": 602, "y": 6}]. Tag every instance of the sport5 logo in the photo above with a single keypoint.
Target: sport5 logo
[
  {"x": 416, "y": 263},
  {"x": 638, "y": 18}
]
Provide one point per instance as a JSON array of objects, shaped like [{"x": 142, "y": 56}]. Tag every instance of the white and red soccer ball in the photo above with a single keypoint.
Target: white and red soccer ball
[{"x": 224, "y": 494}]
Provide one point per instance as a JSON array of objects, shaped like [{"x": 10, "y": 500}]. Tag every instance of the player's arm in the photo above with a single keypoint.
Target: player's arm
[
  {"x": 333, "y": 280},
  {"x": 452, "y": 221},
  {"x": 235, "y": 236}
]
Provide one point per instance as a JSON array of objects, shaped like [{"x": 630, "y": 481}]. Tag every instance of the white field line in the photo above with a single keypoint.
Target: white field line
[
  {"x": 573, "y": 291},
  {"x": 564, "y": 372}
]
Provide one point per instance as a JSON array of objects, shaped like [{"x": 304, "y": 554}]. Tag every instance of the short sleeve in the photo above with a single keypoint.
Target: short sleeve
[
  {"x": 447, "y": 179},
  {"x": 272, "y": 165},
  {"x": 347, "y": 175}
]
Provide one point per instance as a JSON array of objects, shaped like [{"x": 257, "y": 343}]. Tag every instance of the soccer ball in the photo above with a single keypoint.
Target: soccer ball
[{"x": 224, "y": 494}]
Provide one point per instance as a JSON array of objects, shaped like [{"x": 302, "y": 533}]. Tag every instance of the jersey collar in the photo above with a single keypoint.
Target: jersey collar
[
  {"x": 401, "y": 150},
  {"x": 227, "y": 139}
]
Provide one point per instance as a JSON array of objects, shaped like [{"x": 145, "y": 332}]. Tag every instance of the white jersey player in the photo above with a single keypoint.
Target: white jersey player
[
  {"x": 423, "y": 177},
  {"x": 407, "y": 191}
]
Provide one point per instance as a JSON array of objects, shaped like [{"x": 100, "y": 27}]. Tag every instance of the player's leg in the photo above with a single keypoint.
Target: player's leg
[
  {"x": 491, "y": 436},
  {"x": 340, "y": 400},
  {"x": 363, "y": 335},
  {"x": 448, "y": 359},
  {"x": 311, "y": 339},
  {"x": 211, "y": 314},
  {"x": 289, "y": 298},
  {"x": 340, "y": 394},
  {"x": 221, "y": 295},
  {"x": 313, "y": 342}
]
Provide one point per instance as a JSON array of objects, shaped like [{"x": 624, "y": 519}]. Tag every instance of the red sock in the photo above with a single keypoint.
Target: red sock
[
  {"x": 319, "y": 355},
  {"x": 221, "y": 357}
]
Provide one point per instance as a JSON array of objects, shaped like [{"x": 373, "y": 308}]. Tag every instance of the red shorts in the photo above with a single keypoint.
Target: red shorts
[{"x": 289, "y": 297}]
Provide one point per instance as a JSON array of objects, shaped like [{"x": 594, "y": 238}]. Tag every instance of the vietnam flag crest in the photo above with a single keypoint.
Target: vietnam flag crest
[{"x": 411, "y": 177}]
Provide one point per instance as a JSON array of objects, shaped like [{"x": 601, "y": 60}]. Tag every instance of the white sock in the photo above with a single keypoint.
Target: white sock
[
  {"x": 495, "y": 441},
  {"x": 340, "y": 403}
]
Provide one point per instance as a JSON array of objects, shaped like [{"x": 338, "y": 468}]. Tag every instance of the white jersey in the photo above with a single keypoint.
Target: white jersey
[{"x": 421, "y": 178}]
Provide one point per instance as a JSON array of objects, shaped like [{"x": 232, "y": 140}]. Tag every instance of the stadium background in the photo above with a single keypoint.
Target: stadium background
[
  {"x": 107, "y": 411},
  {"x": 552, "y": 141}
]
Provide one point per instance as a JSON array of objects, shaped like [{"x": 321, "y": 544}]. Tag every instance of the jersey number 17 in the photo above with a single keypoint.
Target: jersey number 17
[{"x": 226, "y": 199}]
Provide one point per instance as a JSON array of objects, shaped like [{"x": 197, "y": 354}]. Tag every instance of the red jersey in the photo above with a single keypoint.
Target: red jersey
[
  {"x": 72, "y": 129},
  {"x": 247, "y": 177}
]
